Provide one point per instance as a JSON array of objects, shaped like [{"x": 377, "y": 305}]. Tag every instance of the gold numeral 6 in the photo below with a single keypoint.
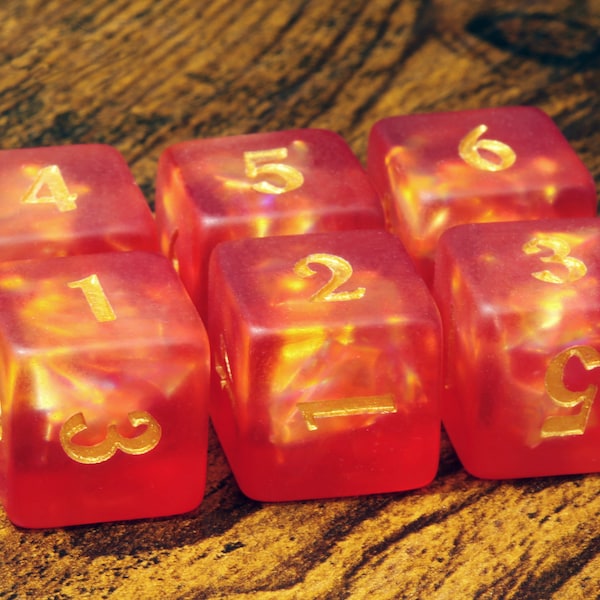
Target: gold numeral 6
[
  {"x": 292, "y": 178},
  {"x": 563, "y": 425},
  {"x": 470, "y": 147},
  {"x": 91, "y": 455},
  {"x": 341, "y": 271},
  {"x": 576, "y": 268}
]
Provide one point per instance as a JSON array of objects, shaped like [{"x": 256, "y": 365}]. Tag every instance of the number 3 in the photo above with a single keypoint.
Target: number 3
[
  {"x": 576, "y": 269},
  {"x": 292, "y": 178},
  {"x": 91, "y": 455}
]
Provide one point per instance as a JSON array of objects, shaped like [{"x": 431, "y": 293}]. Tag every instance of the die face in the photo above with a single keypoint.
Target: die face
[
  {"x": 268, "y": 184},
  {"x": 324, "y": 397},
  {"x": 520, "y": 307},
  {"x": 59, "y": 201},
  {"x": 435, "y": 171},
  {"x": 105, "y": 390}
]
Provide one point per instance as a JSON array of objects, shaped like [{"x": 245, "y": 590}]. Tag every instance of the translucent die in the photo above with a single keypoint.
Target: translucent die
[
  {"x": 59, "y": 201},
  {"x": 104, "y": 374},
  {"x": 259, "y": 185},
  {"x": 326, "y": 365},
  {"x": 434, "y": 171},
  {"x": 520, "y": 305}
]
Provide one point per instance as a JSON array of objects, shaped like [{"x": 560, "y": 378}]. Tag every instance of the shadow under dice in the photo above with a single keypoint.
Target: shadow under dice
[
  {"x": 520, "y": 305},
  {"x": 104, "y": 390},
  {"x": 258, "y": 185},
  {"x": 434, "y": 171},
  {"x": 66, "y": 200},
  {"x": 326, "y": 365}
]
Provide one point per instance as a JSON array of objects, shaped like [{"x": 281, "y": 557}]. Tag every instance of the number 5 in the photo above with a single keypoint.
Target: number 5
[{"x": 292, "y": 178}]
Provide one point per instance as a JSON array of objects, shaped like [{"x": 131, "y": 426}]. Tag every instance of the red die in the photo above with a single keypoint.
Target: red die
[
  {"x": 326, "y": 365},
  {"x": 70, "y": 200},
  {"x": 435, "y": 171},
  {"x": 287, "y": 182},
  {"x": 520, "y": 304},
  {"x": 104, "y": 390}
]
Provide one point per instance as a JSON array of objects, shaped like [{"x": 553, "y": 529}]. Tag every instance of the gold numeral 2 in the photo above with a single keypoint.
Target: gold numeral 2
[
  {"x": 292, "y": 178},
  {"x": 360, "y": 405},
  {"x": 91, "y": 455},
  {"x": 341, "y": 271},
  {"x": 564, "y": 425},
  {"x": 576, "y": 269},
  {"x": 52, "y": 178},
  {"x": 470, "y": 147},
  {"x": 95, "y": 296}
]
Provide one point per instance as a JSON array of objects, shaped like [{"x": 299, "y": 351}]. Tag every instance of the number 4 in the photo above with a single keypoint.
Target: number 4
[{"x": 52, "y": 178}]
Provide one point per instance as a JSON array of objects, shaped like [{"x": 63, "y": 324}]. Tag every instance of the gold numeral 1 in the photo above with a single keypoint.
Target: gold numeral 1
[
  {"x": 91, "y": 455},
  {"x": 564, "y": 425},
  {"x": 52, "y": 178},
  {"x": 470, "y": 147},
  {"x": 360, "y": 405},
  {"x": 576, "y": 268},
  {"x": 341, "y": 271},
  {"x": 95, "y": 296},
  {"x": 292, "y": 178}
]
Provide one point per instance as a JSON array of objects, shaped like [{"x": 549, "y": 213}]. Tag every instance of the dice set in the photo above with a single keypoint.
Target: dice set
[{"x": 268, "y": 294}]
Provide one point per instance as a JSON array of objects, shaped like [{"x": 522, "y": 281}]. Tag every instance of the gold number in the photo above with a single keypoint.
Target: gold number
[
  {"x": 341, "y": 271},
  {"x": 52, "y": 178},
  {"x": 563, "y": 425},
  {"x": 360, "y": 405},
  {"x": 91, "y": 455},
  {"x": 576, "y": 269},
  {"x": 470, "y": 147},
  {"x": 292, "y": 178},
  {"x": 224, "y": 370},
  {"x": 94, "y": 294}
]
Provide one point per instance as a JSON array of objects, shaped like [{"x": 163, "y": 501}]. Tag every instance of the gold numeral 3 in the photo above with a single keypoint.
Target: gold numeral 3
[
  {"x": 101, "y": 452},
  {"x": 576, "y": 269}
]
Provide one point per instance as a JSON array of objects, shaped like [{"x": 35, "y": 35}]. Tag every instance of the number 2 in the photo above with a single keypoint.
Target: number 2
[
  {"x": 563, "y": 425},
  {"x": 341, "y": 271},
  {"x": 292, "y": 178}
]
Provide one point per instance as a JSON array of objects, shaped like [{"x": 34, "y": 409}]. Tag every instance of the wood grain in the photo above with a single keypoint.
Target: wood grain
[{"x": 141, "y": 75}]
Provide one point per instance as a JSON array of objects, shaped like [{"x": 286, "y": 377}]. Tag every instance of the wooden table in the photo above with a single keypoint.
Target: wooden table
[{"x": 143, "y": 74}]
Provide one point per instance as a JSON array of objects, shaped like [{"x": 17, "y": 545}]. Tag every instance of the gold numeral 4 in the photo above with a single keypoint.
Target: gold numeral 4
[
  {"x": 52, "y": 179},
  {"x": 291, "y": 177}
]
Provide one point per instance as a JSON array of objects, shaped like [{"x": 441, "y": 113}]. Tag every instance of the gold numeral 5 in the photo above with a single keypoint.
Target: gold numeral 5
[
  {"x": 96, "y": 298},
  {"x": 576, "y": 269},
  {"x": 563, "y": 425},
  {"x": 470, "y": 147},
  {"x": 91, "y": 455},
  {"x": 52, "y": 178},
  {"x": 292, "y": 178},
  {"x": 341, "y": 271}
]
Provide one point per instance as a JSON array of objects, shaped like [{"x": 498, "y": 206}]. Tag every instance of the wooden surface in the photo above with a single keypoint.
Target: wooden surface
[{"x": 143, "y": 74}]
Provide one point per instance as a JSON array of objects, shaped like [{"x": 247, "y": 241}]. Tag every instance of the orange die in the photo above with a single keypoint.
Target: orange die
[
  {"x": 438, "y": 170},
  {"x": 66, "y": 200},
  {"x": 520, "y": 303},
  {"x": 326, "y": 365},
  {"x": 104, "y": 390},
  {"x": 266, "y": 184}
]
